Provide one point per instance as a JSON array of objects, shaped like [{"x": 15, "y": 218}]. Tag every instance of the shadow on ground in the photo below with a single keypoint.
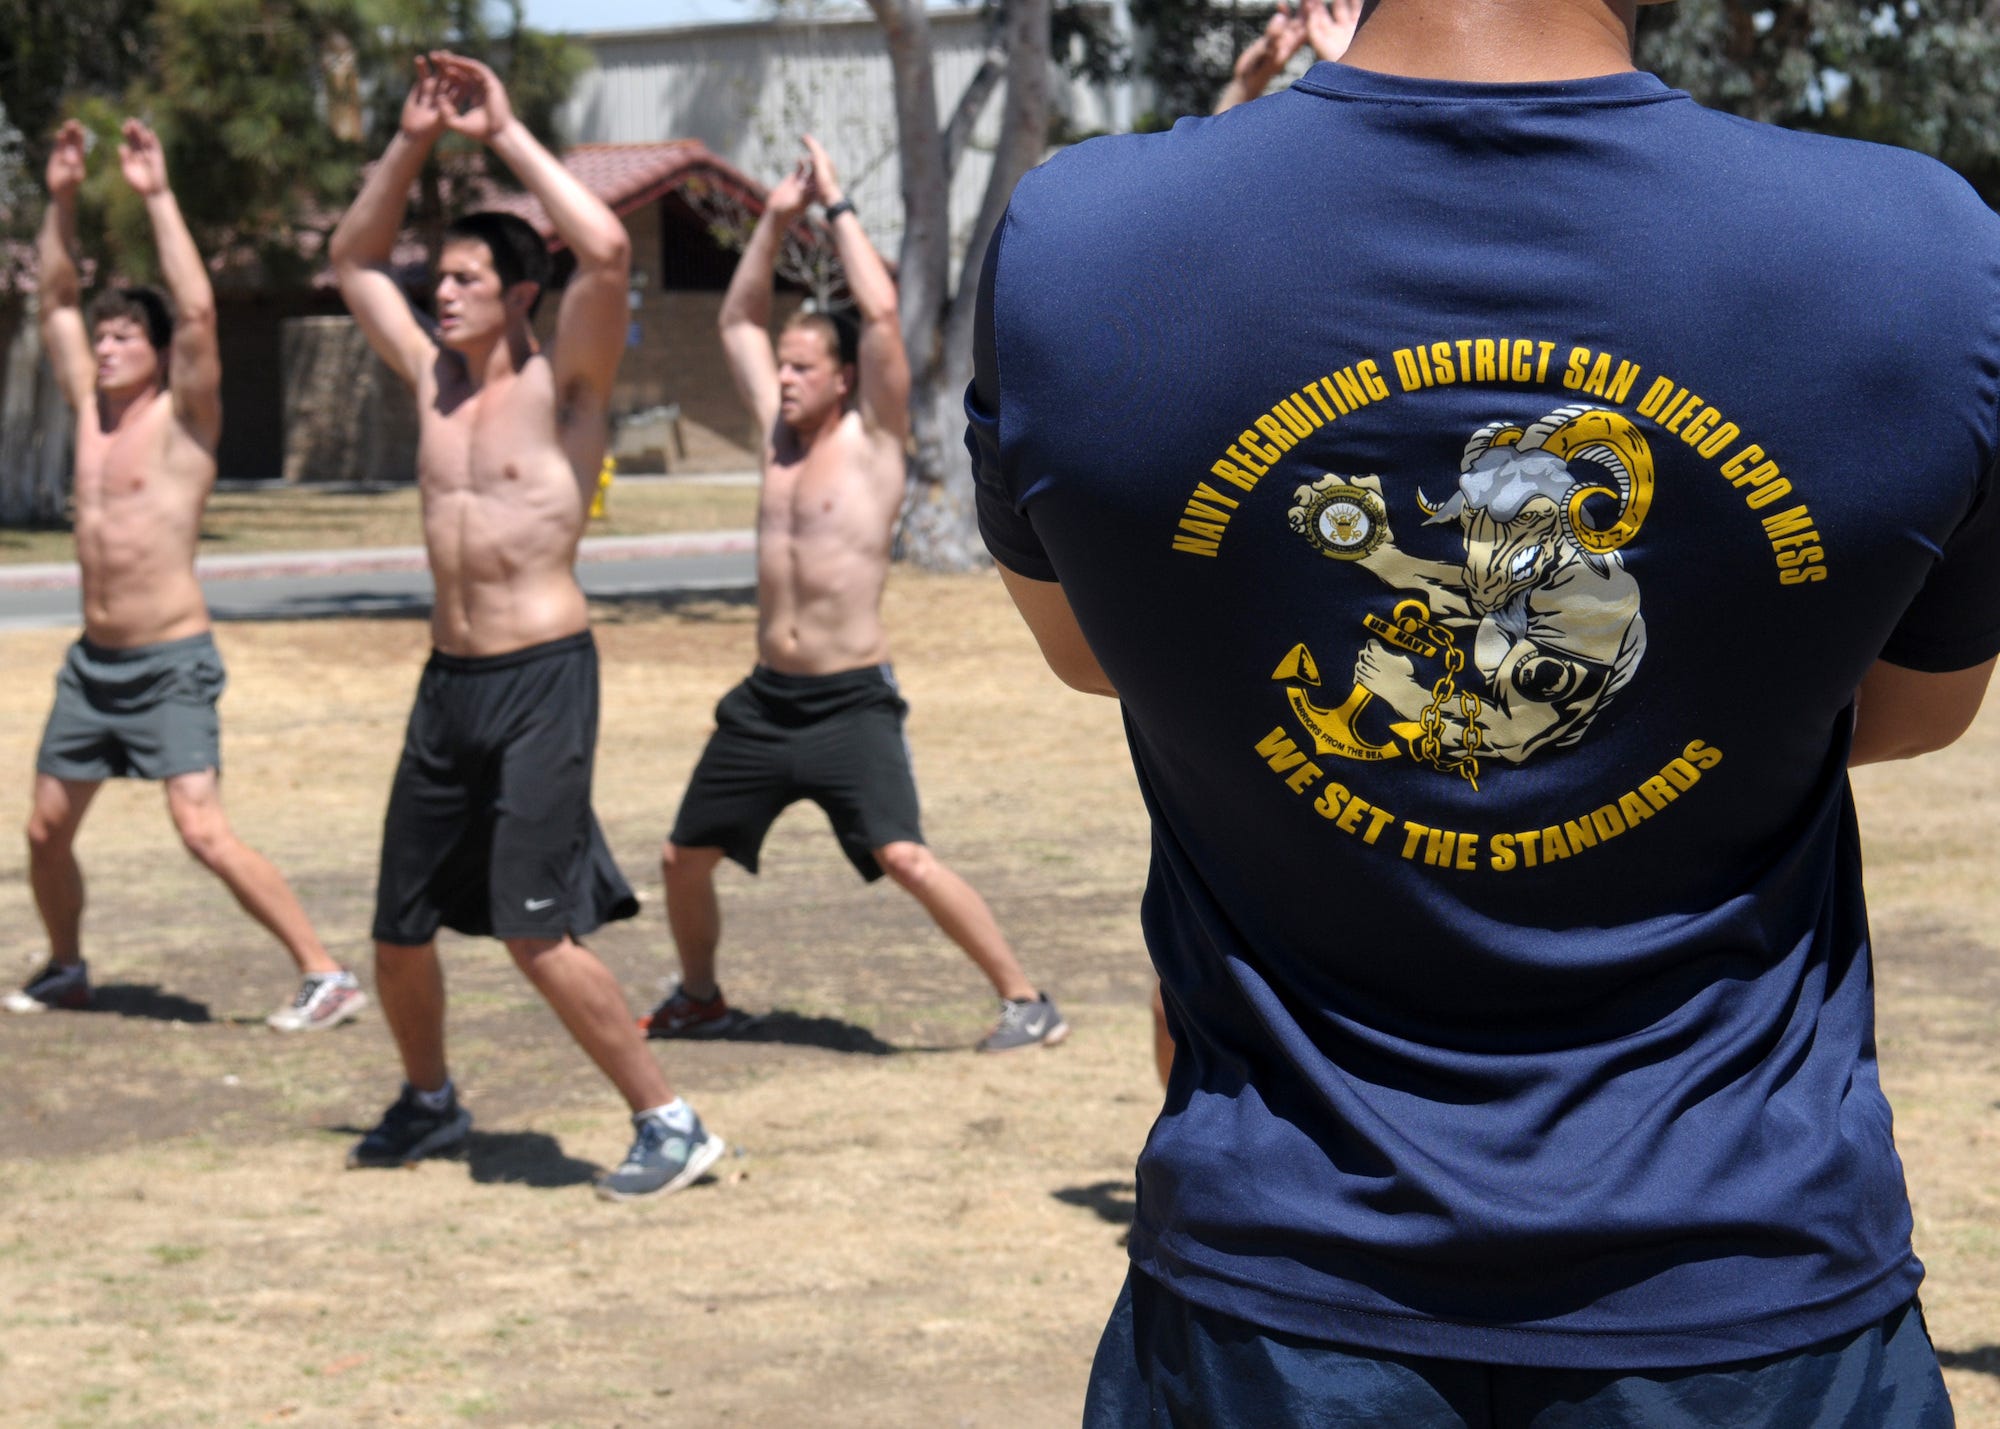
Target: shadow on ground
[
  {"x": 525, "y": 1158},
  {"x": 1984, "y": 1360},
  {"x": 795, "y": 1029},
  {"x": 504, "y": 1158},
  {"x": 377, "y": 605},
  {"x": 690, "y": 604},
  {"x": 1115, "y": 1202},
  {"x": 694, "y": 605},
  {"x": 145, "y": 999}
]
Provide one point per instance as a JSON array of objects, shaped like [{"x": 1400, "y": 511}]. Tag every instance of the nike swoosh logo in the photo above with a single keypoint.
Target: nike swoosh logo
[{"x": 536, "y": 905}]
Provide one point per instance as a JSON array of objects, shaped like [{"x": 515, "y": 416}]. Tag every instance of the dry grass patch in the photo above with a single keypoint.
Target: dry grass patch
[{"x": 912, "y": 1236}]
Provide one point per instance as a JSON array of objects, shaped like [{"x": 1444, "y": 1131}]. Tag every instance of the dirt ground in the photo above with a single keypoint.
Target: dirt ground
[
  {"x": 908, "y": 1235},
  {"x": 303, "y": 518}
]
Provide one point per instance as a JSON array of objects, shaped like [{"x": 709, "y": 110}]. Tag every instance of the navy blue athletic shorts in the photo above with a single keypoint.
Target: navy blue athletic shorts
[{"x": 1164, "y": 1362}]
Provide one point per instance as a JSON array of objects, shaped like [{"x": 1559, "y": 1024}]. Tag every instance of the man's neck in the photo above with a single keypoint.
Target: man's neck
[
  {"x": 1496, "y": 41},
  {"x": 112, "y": 410},
  {"x": 499, "y": 359},
  {"x": 804, "y": 439}
]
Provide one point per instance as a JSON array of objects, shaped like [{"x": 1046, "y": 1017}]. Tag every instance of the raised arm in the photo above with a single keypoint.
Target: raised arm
[
  {"x": 194, "y": 372},
  {"x": 58, "y": 289},
  {"x": 885, "y": 367},
  {"x": 1330, "y": 26},
  {"x": 1262, "y": 58},
  {"x": 366, "y": 236},
  {"x": 590, "y": 329},
  {"x": 1327, "y": 25},
  {"x": 745, "y": 319}
]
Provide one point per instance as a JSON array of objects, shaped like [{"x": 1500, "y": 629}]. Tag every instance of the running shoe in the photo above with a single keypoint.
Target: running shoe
[
  {"x": 682, "y": 1015},
  {"x": 323, "y": 1000},
  {"x": 662, "y": 1159},
  {"x": 410, "y": 1131},
  {"x": 65, "y": 985},
  {"x": 1028, "y": 1022}
]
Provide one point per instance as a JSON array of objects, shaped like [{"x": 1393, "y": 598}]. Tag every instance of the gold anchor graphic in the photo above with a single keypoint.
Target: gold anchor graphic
[{"x": 1333, "y": 731}]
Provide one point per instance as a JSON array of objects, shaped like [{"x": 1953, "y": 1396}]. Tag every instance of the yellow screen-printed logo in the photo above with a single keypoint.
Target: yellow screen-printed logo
[
  {"x": 1540, "y": 614},
  {"x": 1345, "y": 522}
]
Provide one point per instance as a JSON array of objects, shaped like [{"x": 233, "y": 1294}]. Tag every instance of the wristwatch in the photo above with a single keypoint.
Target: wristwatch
[{"x": 835, "y": 210}]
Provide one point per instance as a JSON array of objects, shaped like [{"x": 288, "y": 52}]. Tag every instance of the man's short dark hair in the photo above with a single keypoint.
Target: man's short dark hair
[
  {"x": 147, "y": 307},
  {"x": 519, "y": 254},
  {"x": 843, "y": 338}
]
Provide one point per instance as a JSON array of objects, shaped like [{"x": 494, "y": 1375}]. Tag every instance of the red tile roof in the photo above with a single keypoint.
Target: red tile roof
[
  {"x": 630, "y": 176},
  {"x": 625, "y": 176}
]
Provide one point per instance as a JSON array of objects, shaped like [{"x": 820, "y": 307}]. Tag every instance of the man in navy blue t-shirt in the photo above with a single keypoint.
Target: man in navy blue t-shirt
[{"x": 1506, "y": 498}]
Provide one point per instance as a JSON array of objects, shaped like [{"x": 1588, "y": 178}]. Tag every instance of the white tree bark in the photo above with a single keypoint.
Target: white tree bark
[
  {"x": 35, "y": 430},
  {"x": 940, "y": 528}
]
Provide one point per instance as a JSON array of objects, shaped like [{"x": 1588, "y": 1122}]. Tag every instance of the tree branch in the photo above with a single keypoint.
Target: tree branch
[
  {"x": 1024, "y": 138},
  {"x": 971, "y": 104},
  {"x": 925, "y": 261}
]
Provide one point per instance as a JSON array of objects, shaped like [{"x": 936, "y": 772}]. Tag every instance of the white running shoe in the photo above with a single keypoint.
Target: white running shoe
[{"x": 323, "y": 1000}]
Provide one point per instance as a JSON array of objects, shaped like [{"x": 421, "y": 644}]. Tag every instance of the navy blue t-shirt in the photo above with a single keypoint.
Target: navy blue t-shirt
[{"x": 1486, "y": 500}]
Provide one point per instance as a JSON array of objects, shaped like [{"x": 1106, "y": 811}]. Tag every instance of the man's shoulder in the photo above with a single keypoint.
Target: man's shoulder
[
  {"x": 862, "y": 450},
  {"x": 161, "y": 428},
  {"x": 1861, "y": 217},
  {"x": 1095, "y": 174},
  {"x": 1827, "y": 171}
]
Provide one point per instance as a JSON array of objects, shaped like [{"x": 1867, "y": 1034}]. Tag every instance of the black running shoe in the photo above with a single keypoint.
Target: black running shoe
[
  {"x": 410, "y": 1131},
  {"x": 64, "y": 985}
]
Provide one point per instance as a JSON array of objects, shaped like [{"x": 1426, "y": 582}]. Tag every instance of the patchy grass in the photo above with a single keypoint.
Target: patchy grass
[{"x": 907, "y": 1235}]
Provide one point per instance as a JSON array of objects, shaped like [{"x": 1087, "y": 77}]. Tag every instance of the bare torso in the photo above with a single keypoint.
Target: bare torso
[
  {"x": 824, "y": 521},
  {"x": 140, "y": 489},
  {"x": 505, "y": 471}
]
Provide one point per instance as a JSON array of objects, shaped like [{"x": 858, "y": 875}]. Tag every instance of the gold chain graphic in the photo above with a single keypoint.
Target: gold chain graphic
[
  {"x": 1334, "y": 731},
  {"x": 1429, "y": 746}
]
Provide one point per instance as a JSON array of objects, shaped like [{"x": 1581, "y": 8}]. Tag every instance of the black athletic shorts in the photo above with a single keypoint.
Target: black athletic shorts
[
  {"x": 141, "y": 712},
  {"x": 834, "y": 739},
  {"x": 489, "y": 828}
]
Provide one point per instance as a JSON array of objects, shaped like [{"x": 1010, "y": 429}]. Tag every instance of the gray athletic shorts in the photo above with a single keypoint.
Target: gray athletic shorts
[{"x": 147, "y": 712}]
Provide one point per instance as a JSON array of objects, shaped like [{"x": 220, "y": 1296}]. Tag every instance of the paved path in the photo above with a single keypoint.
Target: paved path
[{"x": 305, "y": 585}]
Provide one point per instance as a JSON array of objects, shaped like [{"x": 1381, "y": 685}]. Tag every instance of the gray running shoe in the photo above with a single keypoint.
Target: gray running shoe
[
  {"x": 1029, "y": 1022},
  {"x": 410, "y": 1131},
  {"x": 65, "y": 985},
  {"x": 661, "y": 1159},
  {"x": 323, "y": 1000}
]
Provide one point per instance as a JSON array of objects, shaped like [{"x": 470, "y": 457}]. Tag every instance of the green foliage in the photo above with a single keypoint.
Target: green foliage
[
  {"x": 239, "y": 91},
  {"x": 1081, "y": 41},
  {"x": 56, "y": 48},
  {"x": 267, "y": 109},
  {"x": 537, "y": 68},
  {"x": 1923, "y": 74},
  {"x": 1192, "y": 49}
]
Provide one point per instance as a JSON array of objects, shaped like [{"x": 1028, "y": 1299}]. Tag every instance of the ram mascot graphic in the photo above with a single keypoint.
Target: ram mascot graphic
[{"x": 1541, "y": 609}]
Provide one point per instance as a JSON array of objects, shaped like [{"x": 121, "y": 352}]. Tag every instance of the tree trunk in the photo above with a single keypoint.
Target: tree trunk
[
  {"x": 940, "y": 525},
  {"x": 34, "y": 433}
]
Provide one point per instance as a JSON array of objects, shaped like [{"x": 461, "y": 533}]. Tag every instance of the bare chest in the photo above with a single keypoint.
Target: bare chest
[
  {"x": 493, "y": 439},
  {"x": 137, "y": 470},
  {"x": 828, "y": 496}
]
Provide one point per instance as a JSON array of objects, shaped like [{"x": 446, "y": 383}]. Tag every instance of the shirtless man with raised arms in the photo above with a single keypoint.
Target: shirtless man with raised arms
[
  {"x": 489, "y": 829},
  {"x": 820, "y": 717},
  {"x": 136, "y": 695}
]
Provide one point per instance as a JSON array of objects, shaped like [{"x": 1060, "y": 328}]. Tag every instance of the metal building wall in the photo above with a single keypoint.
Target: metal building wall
[{"x": 747, "y": 90}]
